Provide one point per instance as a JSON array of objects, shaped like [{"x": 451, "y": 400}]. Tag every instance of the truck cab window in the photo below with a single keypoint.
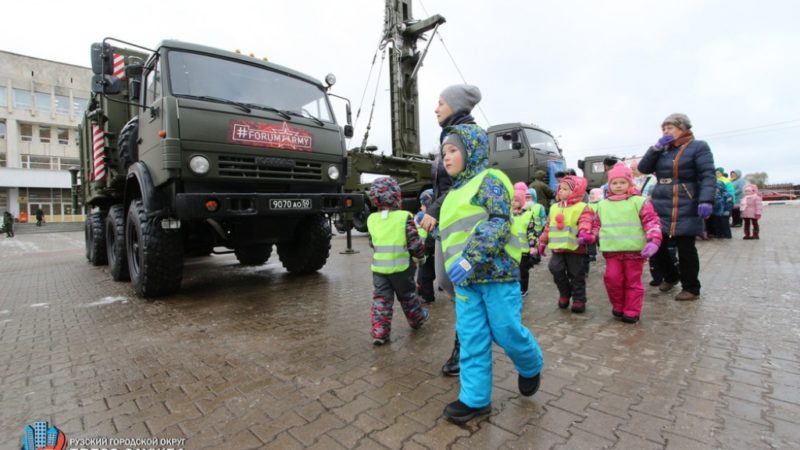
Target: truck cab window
[
  {"x": 501, "y": 144},
  {"x": 541, "y": 142},
  {"x": 152, "y": 84}
]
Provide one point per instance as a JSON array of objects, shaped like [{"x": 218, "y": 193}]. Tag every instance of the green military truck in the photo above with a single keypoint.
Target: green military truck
[
  {"x": 187, "y": 148},
  {"x": 521, "y": 149}
]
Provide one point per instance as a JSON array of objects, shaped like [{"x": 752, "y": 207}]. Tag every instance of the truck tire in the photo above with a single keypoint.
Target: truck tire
[
  {"x": 155, "y": 256},
  {"x": 308, "y": 251},
  {"x": 95, "y": 239},
  {"x": 115, "y": 243},
  {"x": 253, "y": 255},
  {"x": 126, "y": 146},
  {"x": 360, "y": 219}
]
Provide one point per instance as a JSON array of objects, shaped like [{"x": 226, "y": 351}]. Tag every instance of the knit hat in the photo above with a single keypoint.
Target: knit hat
[
  {"x": 385, "y": 193},
  {"x": 595, "y": 195},
  {"x": 720, "y": 170},
  {"x": 620, "y": 170},
  {"x": 679, "y": 120},
  {"x": 533, "y": 194},
  {"x": 520, "y": 189},
  {"x": 426, "y": 197},
  {"x": 455, "y": 139},
  {"x": 461, "y": 97}
]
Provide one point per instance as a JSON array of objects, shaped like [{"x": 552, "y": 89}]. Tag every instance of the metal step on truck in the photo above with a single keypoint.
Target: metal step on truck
[{"x": 186, "y": 148}]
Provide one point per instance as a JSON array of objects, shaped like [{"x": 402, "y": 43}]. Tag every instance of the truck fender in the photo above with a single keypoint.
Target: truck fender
[{"x": 139, "y": 184}]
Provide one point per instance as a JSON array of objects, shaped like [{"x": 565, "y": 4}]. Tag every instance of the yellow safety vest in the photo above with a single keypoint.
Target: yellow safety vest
[
  {"x": 566, "y": 238},
  {"x": 538, "y": 223},
  {"x": 389, "y": 240},
  {"x": 620, "y": 226},
  {"x": 458, "y": 217},
  {"x": 519, "y": 225}
]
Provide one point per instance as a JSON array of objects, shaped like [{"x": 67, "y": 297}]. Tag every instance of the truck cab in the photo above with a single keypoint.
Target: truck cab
[{"x": 520, "y": 149}]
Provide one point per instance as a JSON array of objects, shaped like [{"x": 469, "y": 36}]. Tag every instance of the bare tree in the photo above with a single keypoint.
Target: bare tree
[{"x": 757, "y": 178}]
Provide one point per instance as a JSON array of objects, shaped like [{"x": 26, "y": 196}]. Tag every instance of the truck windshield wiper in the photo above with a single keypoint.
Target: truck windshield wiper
[
  {"x": 241, "y": 106},
  {"x": 305, "y": 116},
  {"x": 269, "y": 108}
]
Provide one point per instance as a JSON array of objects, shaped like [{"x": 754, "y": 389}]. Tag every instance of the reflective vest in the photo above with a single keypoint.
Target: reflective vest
[
  {"x": 620, "y": 226},
  {"x": 519, "y": 227},
  {"x": 538, "y": 223},
  {"x": 389, "y": 241},
  {"x": 423, "y": 233},
  {"x": 567, "y": 237},
  {"x": 458, "y": 217}
]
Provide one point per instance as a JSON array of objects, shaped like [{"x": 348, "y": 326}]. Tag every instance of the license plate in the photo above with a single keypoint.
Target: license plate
[{"x": 290, "y": 203}]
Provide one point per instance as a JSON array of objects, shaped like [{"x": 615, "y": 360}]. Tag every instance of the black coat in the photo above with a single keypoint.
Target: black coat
[{"x": 696, "y": 183}]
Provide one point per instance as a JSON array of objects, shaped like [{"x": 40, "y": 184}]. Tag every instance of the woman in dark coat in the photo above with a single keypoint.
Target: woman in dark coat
[{"x": 683, "y": 199}]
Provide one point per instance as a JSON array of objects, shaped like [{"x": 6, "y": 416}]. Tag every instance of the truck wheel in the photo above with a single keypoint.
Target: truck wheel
[
  {"x": 95, "y": 239},
  {"x": 126, "y": 146},
  {"x": 360, "y": 219},
  {"x": 253, "y": 255},
  {"x": 115, "y": 243},
  {"x": 155, "y": 257},
  {"x": 310, "y": 247}
]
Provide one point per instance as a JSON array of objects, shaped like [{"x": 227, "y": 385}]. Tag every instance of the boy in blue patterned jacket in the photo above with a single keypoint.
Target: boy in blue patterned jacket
[{"x": 475, "y": 228}]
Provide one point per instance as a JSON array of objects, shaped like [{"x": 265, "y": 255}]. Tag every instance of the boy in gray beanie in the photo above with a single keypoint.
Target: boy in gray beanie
[{"x": 461, "y": 97}]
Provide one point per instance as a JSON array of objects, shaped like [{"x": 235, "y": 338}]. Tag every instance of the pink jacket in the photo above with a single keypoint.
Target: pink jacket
[{"x": 751, "y": 204}]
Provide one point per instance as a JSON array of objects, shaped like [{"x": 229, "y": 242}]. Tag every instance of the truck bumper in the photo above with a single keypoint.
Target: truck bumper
[{"x": 232, "y": 205}]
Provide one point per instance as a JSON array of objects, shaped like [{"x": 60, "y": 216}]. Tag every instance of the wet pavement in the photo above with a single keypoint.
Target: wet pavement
[{"x": 255, "y": 358}]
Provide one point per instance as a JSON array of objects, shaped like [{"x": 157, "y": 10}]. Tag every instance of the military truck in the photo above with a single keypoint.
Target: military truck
[
  {"x": 520, "y": 149},
  {"x": 186, "y": 149}
]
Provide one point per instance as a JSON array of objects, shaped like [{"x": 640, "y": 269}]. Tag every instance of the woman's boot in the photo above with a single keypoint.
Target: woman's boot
[{"x": 451, "y": 367}]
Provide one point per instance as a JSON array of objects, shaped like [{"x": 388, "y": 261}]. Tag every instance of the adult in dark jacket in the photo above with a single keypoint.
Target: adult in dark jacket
[
  {"x": 683, "y": 199},
  {"x": 543, "y": 190},
  {"x": 454, "y": 108}
]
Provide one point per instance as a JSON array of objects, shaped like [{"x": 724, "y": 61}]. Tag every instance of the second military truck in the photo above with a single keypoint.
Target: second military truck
[{"x": 187, "y": 148}]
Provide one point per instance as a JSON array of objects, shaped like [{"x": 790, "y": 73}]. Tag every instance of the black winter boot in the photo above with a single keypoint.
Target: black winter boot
[
  {"x": 529, "y": 386},
  {"x": 451, "y": 368},
  {"x": 458, "y": 412}
]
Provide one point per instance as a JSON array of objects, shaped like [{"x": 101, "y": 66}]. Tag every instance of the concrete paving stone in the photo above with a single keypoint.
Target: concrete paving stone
[
  {"x": 790, "y": 394},
  {"x": 786, "y": 433},
  {"x": 739, "y": 433},
  {"x": 310, "y": 431},
  {"x": 534, "y": 438},
  {"x": 368, "y": 424},
  {"x": 368, "y": 444},
  {"x": 515, "y": 414},
  {"x": 268, "y": 430},
  {"x": 441, "y": 435},
  {"x": 789, "y": 412},
  {"x": 583, "y": 440},
  {"x": 678, "y": 442},
  {"x": 646, "y": 426},
  {"x": 396, "y": 434},
  {"x": 614, "y": 404},
  {"x": 428, "y": 414},
  {"x": 422, "y": 393},
  {"x": 283, "y": 441},
  {"x": 347, "y": 436},
  {"x": 629, "y": 441},
  {"x": 754, "y": 394},
  {"x": 487, "y": 436},
  {"x": 349, "y": 411},
  {"x": 556, "y": 420},
  {"x": 699, "y": 407},
  {"x": 694, "y": 427},
  {"x": 573, "y": 402},
  {"x": 395, "y": 408},
  {"x": 600, "y": 424}
]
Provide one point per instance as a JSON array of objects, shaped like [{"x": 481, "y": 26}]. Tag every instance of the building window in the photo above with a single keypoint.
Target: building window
[
  {"x": 43, "y": 102},
  {"x": 25, "y": 132},
  {"x": 22, "y": 99},
  {"x": 2, "y": 129},
  {"x": 44, "y": 134},
  {"x": 79, "y": 106},
  {"x": 35, "y": 162},
  {"x": 3, "y": 160},
  {"x": 63, "y": 136},
  {"x": 3, "y": 99},
  {"x": 62, "y": 104},
  {"x": 66, "y": 163}
]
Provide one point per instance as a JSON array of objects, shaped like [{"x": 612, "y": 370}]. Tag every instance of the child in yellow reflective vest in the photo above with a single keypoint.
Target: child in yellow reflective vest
[
  {"x": 527, "y": 224},
  {"x": 569, "y": 229},
  {"x": 394, "y": 238},
  {"x": 630, "y": 232}
]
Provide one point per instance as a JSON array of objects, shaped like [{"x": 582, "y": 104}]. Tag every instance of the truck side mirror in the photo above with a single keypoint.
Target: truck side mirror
[
  {"x": 348, "y": 131},
  {"x": 517, "y": 146},
  {"x": 580, "y": 164},
  {"x": 102, "y": 59},
  {"x": 134, "y": 70},
  {"x": 106, "y": 84}
]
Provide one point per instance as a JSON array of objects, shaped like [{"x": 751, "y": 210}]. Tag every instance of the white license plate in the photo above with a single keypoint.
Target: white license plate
[{"x": 290, "y": 203}]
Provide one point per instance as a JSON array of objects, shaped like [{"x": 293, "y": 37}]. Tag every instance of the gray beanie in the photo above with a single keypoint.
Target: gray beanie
[
  {"x": 455, "y": 139},
  {"x": 461, "y": 97},
  {"x": 679, "y": 120}
]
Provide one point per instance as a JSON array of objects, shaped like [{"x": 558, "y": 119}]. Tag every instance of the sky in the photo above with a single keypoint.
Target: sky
[{"x": 601, "y": 76}]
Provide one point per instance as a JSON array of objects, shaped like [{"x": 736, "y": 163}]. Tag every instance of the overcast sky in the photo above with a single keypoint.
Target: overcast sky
[{"x": 601, "y": 76}]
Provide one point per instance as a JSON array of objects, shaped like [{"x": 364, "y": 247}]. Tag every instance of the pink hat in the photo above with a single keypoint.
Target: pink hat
[
  {"x": 620, "y": 170},
  {"x": 520, "y": 190},
  {"x": 595, "y": 195}
]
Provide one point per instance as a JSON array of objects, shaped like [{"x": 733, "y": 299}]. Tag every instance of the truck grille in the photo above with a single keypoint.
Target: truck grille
[{"x": 269, "y": 168}]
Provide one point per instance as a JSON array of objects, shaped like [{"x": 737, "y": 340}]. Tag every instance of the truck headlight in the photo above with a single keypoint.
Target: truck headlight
[
  {"x": 199, "y": 165},
  {"x": 333, "y": 173}
]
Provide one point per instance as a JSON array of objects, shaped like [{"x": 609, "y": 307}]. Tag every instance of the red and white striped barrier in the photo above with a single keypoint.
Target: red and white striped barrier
[
  {"x": 119, "y": 66},
  {"x": 98, "y": 153}
]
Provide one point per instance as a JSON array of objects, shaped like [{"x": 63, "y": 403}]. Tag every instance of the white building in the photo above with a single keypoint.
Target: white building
[{"x": 41, "y": 104}]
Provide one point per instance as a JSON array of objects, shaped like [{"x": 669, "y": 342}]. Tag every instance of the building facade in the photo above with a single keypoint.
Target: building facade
[{"x": 41, "y": 104}]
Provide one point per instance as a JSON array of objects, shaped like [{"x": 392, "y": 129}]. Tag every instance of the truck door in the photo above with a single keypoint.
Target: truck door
[
  {"x": 514, "y": 162},
  {"x": 151, "y": 119}
]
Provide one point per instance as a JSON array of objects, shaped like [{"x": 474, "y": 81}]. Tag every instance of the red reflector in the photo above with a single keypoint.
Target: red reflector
[
  {"x": 212, "y": 205},
  {"x": 162, "y": 134},
  {"x": 348, "y": 202}
]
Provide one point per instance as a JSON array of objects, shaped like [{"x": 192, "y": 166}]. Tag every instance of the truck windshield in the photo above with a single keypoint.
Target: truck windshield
[
  {"x": 541, "y": 141},
  {"x": 198, "y": 75}
]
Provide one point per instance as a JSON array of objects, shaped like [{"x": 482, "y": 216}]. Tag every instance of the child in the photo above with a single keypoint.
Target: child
[
  {"x": 595, "y": 195},
  {"x": 427, "y": 271},
  {"x": 630, "y": 232},
  {"x": 475, "y": 228},
  {"x": 570, "y": 227},
  {"x": 751, "y": 207},
  {"x": 721, "y": 214},
  {"x": 523, "y": 226},
  {"x": 393, "y": 235},
  {"x": 539, "y": 214}
]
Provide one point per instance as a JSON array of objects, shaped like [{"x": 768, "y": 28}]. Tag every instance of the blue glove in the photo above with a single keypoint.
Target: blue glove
[
  {"x": 663, "y": 142},
  {"x": 418, "y": 217},
  {"x": 460, "y": 270},
  {"x": 704, "y": 210}
]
